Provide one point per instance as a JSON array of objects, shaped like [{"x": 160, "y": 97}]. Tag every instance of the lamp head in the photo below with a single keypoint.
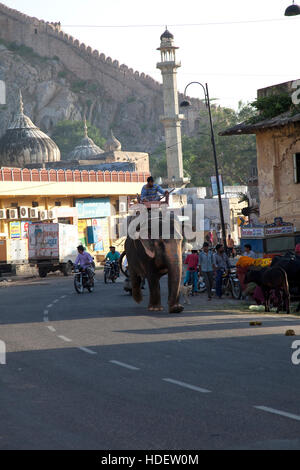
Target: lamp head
[
  {"x": 185, "y": 104},
  {"x": 292, "y": 10}
]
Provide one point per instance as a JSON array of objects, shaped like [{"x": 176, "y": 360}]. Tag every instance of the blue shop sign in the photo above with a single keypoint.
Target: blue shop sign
[{"x": 91, "y": 208}]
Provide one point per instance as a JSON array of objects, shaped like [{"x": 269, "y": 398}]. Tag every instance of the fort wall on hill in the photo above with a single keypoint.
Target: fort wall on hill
[{"x": 118, "y": 81}]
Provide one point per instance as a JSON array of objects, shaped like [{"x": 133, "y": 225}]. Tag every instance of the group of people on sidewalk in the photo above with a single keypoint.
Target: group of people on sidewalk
[{"x": 209, "y": 265}]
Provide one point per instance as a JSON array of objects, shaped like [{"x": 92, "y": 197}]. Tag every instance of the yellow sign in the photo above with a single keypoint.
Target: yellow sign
[
  {"x": 82, "y": 224},
  {"x": 15, "y": 229}
]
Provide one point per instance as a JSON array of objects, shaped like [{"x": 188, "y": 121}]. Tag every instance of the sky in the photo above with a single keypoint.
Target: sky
[{"x": 235, "y": 46}]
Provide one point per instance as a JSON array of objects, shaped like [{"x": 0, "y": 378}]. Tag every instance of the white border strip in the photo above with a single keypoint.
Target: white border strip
[
  {"x": 89, "y": 351},
  {"x": 64, "y": 338},
  {"x": 122, "y": 364},
  {"x": 278, "y": 412},
  {"x": 185, "y": 385}
]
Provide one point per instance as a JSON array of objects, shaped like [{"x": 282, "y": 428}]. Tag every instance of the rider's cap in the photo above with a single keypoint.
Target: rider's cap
[{"x": 80, "y": 247}]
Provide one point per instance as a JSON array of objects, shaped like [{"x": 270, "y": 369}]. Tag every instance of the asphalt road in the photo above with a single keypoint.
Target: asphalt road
[{"x": 97, "y": 371}]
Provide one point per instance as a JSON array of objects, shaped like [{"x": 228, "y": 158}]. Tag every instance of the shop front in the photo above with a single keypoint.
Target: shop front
[{"x": 93, "y": 225}]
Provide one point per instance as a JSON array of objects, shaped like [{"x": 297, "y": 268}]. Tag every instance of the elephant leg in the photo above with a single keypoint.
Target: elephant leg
[
  {"x": 154, "y": 288},
  {"x": 136, "y": 287}
]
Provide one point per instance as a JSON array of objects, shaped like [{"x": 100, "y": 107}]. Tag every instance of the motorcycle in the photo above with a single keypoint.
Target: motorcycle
[
  {"x": 111, "y": 271},
  {"x": 82, "y": 280},
  {"x": 231, "y": 284}
]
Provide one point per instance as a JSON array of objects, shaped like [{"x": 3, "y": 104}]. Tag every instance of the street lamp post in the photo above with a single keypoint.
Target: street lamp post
[{"x": 187, "y": 103}]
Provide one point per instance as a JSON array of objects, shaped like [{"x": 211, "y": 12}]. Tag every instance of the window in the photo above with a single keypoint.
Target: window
[
  {"x": 35, "y": 204},
  {"x": 35, "y": 31},
  {"x": 58, "y": 203},
  {"x": 297, "y": 167}
]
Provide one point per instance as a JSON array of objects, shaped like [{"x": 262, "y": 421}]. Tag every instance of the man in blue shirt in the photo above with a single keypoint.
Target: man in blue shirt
[{"x": 151, "y": 191}]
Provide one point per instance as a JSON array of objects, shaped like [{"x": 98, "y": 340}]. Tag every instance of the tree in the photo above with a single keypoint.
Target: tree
[
  {"x": 236, "y": 154},
  {"x": 67, "y": 134}
]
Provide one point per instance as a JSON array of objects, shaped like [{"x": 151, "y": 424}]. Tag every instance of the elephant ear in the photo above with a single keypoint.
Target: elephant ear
[{"x": 148, "y": 246}]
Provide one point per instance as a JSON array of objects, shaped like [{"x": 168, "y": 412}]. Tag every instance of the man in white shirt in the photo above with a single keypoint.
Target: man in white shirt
[{"x": 248, "y": 251}]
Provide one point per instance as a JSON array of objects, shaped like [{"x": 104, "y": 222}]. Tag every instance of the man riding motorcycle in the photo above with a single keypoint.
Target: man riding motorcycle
[
  {"x": 113, "y": 256},
  {"x": 85, "y": 260}
]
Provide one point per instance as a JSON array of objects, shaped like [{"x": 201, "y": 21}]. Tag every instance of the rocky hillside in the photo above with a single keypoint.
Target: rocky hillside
[{"x": 52, "y": 93}]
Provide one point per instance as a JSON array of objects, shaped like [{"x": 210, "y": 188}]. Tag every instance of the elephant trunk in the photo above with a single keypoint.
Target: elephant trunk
[{"x": 174, "y": 275}]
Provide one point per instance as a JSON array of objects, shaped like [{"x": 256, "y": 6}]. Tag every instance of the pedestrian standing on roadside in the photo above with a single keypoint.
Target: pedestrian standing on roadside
[
  {"x": 207, "y": 268},
  {"x": 192, "y": 271},
  {"x": 222, "y": 265},
  {"x": 230, "y": 246}
]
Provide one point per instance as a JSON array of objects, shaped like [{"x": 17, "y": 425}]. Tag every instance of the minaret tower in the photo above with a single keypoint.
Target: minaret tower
[{"x": 171, "y": 118}]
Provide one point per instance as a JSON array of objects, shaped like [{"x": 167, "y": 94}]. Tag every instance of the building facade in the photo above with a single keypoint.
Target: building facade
[
  {"x": 278, "y": 161},
  {"x": 82, "y": 198}
]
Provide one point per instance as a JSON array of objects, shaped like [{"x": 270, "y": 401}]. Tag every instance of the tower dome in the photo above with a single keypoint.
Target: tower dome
[
  {"x": 166, "y": 35},
  {"x": 86, "y": 149},
  {"x": 24, "y": 143},
  {"x": 112, "y": 144}
]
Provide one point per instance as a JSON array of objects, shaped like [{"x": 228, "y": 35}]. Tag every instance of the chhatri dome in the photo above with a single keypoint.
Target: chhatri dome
[
  {"x": 112, "y": 144},
  {"x": 24, "y": 143},
  {"x": 86, "y": 150}
]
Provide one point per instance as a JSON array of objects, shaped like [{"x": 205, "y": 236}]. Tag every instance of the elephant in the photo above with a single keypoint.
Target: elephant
[{"x": 151, "y": 259}]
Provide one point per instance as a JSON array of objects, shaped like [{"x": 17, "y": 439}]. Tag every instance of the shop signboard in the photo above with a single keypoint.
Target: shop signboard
[
  {"x": 252, "y": 232},
  {"x": 82, "y": 231},
  {"x": 214, "y": 185},
  {"x": 89, "y": 208},
  {"x": 15, "y": 230}
]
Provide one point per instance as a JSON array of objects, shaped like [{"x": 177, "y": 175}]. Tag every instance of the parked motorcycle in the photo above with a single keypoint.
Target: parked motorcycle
[
  {"x": 82, "y": 280},
  {"x": 111, "y": 271},
  {"x": 231, "y": 284}
]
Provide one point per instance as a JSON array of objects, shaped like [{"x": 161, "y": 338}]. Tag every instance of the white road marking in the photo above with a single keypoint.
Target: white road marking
[
  {"x": 278, "y": 412},
  {"x": 191, "y": 387},
  {"x": 46, "y": 312},
  {"x": 50, "y": 305},
  {"x": 63, "y": 296},
  {"x": 122, "y": 364},
  {"x": 51, "y": 328},
  {"x": 87, "y": 350},
  {"x": 46, "y": 319},
  {"x": 55, "y": 301},
  {"x": 64, "y": 338}
]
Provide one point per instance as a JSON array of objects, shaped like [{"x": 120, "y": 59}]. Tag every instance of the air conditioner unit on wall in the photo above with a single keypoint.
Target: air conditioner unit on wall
[
  {"x": 33, "y": 213},
  {"x": 51, "y": 214},
  {"x": 3, "y": 213},
  {"x": 43, "y": 215},
  {"x": 24, "y": 212},
  {"x": 13, "y": 214}
]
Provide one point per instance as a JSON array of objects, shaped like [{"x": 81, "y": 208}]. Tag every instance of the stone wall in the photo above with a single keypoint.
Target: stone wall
[{"x": 278, "y": 193}]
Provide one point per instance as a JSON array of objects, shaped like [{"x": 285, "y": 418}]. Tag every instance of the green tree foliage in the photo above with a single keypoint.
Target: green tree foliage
[
  {"x": 236, "y": 154},
  {"x": 68, "y": 134}
]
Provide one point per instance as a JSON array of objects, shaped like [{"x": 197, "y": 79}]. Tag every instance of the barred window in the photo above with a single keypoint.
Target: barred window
[{"x": 297, "y": 167}]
